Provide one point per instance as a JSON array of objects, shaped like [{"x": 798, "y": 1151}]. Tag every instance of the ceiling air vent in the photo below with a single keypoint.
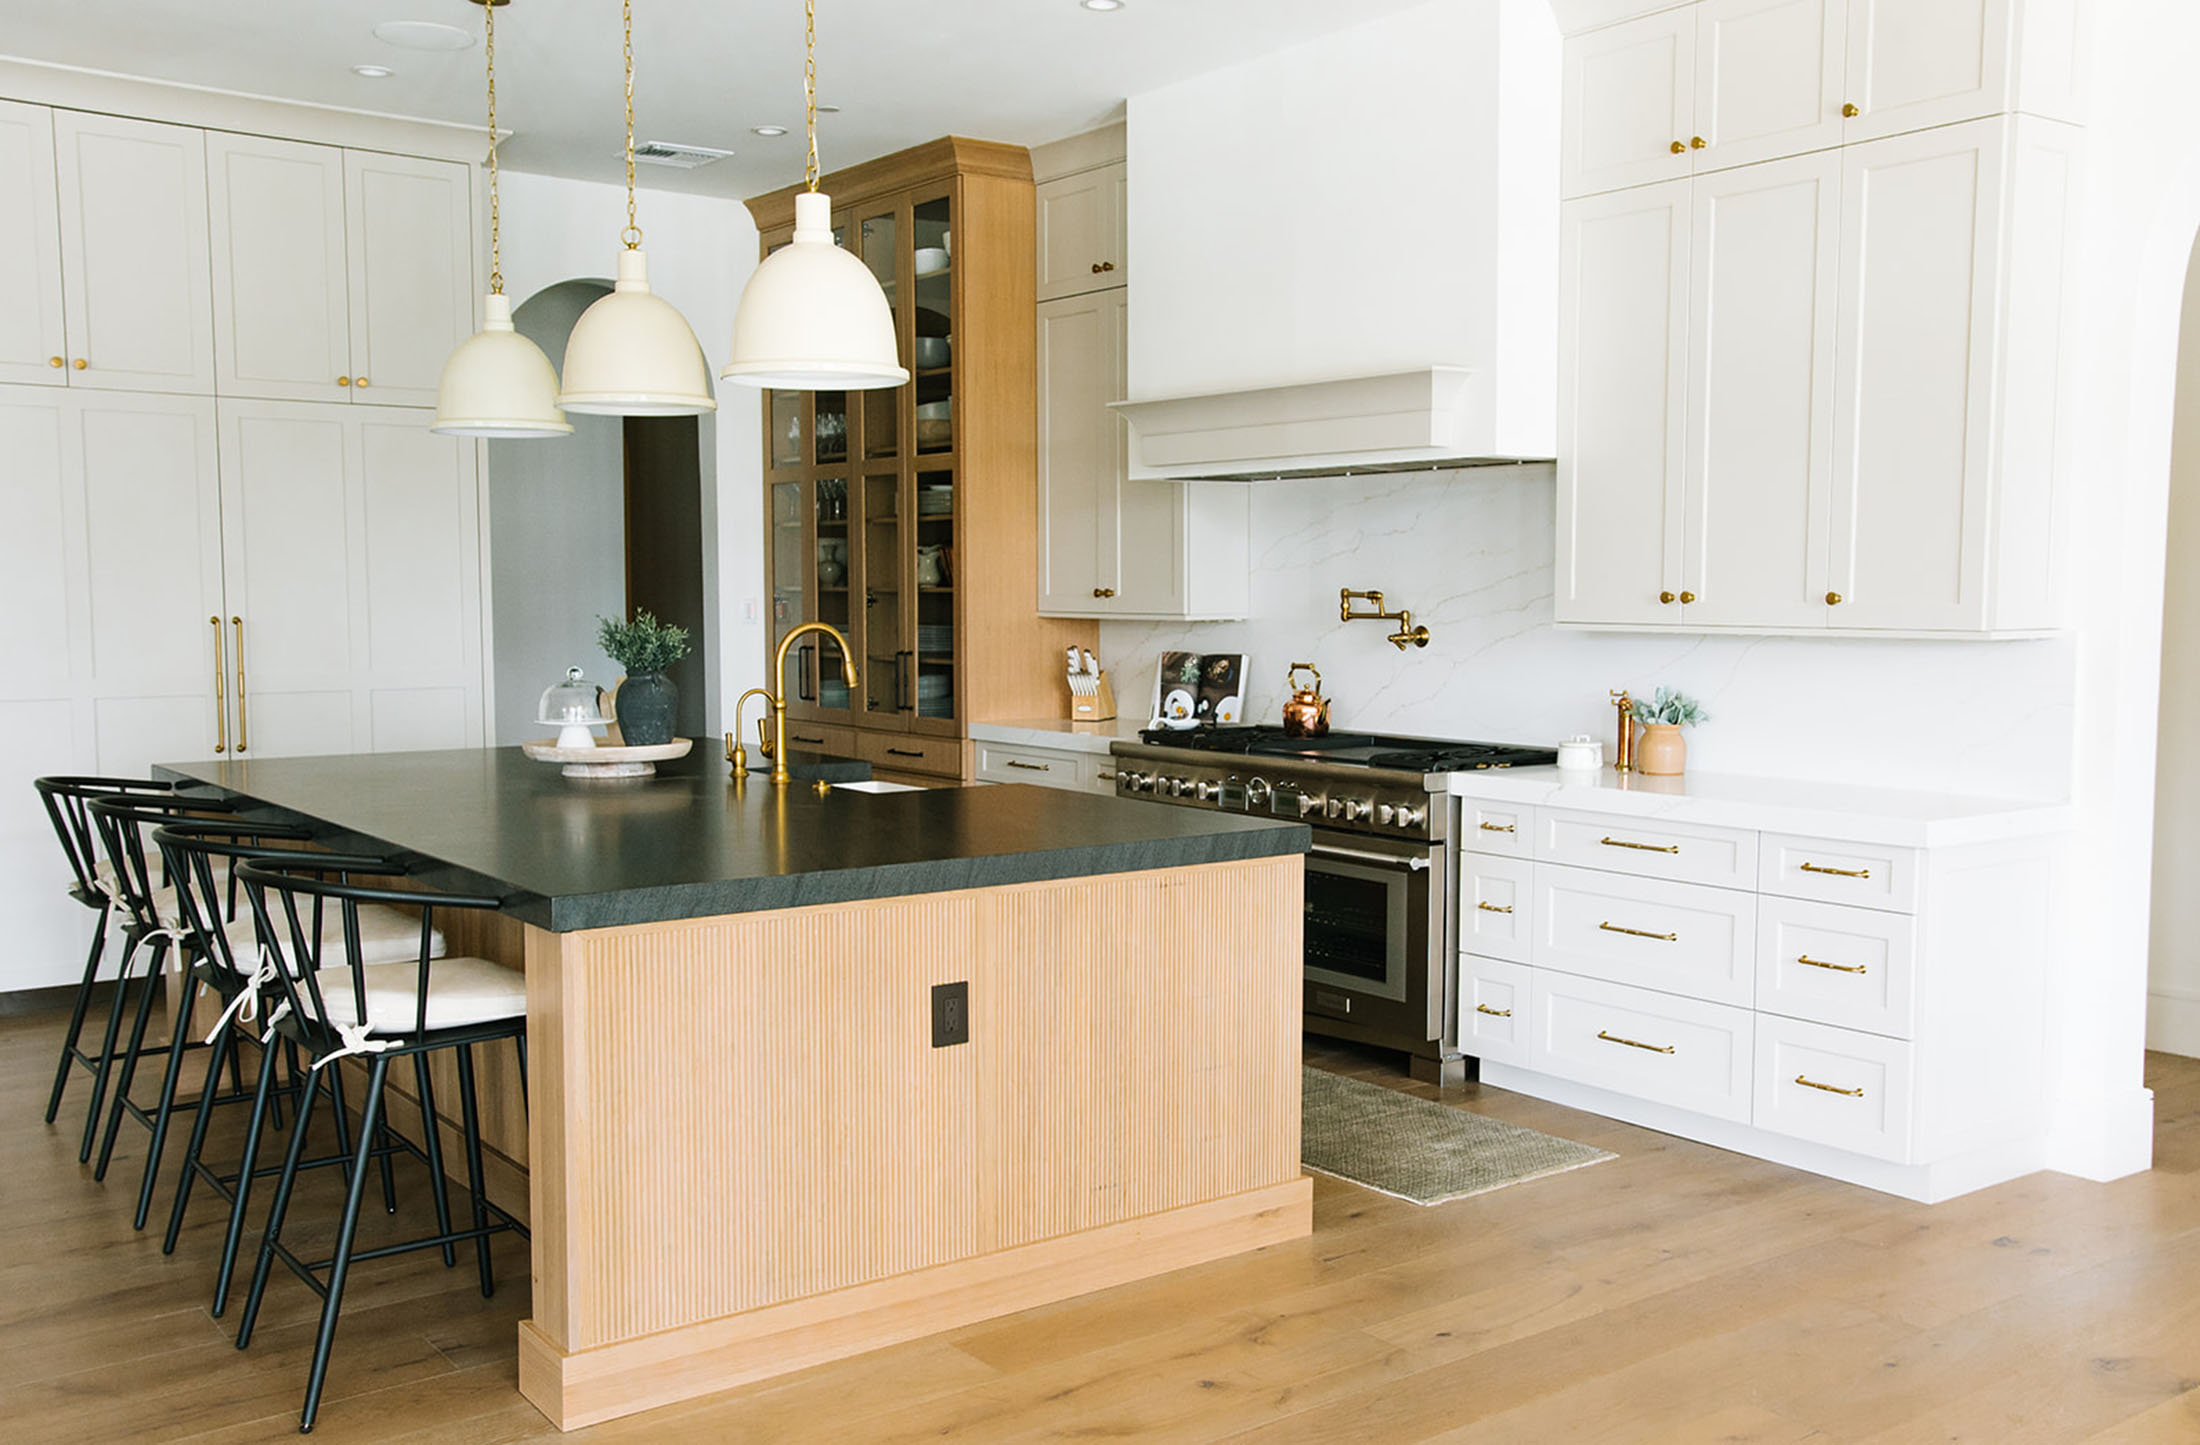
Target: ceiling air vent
[{"x": 685, "y": 158}]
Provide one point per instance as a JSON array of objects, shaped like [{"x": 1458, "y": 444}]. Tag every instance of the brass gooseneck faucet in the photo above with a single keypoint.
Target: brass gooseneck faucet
[
  {"x": 737, "y": 752},
  {"x": 776, "y": 700}
]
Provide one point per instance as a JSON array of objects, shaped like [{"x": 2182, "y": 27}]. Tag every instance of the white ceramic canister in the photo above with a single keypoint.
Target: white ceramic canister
[{"x": 1581, "y": 751}]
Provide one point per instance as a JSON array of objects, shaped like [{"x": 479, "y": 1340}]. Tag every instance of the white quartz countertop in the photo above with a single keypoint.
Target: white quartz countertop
[
  {"x": 1843, "y": 812},
  {"x": 1059, "y": 733}
]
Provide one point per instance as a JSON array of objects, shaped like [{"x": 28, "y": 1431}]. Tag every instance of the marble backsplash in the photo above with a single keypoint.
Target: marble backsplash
[{"x": 1470, "y": 553}]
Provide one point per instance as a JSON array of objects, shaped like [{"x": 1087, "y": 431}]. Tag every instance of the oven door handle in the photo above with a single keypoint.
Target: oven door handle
[{"x": 1361, "y": 855}]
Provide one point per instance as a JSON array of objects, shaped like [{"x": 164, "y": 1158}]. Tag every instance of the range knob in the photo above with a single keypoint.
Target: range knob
[
  {"x": 1206, "y": 791},
  {"x": 1386, "y": 814},
  {"x": 1257, "y": 793},
  {"x": 1310, "y": 803},
  {"x": 1350, "y": 810},
  {"x": 1136, "y": 782},
  {"x": 1412, "y": 817},
  {"x": 1180, "y": 787}
]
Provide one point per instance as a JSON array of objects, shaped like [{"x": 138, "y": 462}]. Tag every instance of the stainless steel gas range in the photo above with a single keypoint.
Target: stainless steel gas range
[{"x": 1382, "y": 950}]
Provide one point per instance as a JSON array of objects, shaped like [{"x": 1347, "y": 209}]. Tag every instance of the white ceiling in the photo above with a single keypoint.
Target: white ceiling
[{"x": 904, "y": 71}]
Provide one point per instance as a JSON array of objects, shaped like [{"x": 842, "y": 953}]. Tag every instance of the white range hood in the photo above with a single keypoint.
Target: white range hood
[{"x": 1428, "y": 418}]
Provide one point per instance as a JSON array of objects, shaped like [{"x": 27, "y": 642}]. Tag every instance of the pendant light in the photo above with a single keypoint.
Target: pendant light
[
  {"x": 632, "y": 353},
  {"x": 497, "y": 383},
  {"x": 813, "y": 318}
]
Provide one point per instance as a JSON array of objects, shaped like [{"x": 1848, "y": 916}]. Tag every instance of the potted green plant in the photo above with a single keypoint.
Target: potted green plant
[
  {"x": 648, "y": 700},
  {"x": 1662, "y": 749}
]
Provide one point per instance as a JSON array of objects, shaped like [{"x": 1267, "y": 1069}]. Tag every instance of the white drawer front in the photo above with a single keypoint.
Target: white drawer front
[
  {"x": 1096, "y": 773},
  {"x": 1682, "y": 852},
  {"x": 1678, "y": 1051},
  {"x": 1862, "y": 874},
  {"x": 1496, "y": 906},
  {"x": 1493, "y": 1010},
  {"x": 1851, "y": 967},
  {"x": 1834, "y": 1086},
  {"x": 1012, "y": 763},
  {"x": 1499, "y": 828},
  {"x": 1678, "y": 937}
]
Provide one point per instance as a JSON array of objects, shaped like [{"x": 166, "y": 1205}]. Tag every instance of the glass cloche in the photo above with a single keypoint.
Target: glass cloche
[{"x": 573, "y": 707}]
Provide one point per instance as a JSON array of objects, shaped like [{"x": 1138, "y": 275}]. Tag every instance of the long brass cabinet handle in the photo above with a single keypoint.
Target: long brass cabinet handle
[
  {"x": 1031, "y": 767},
  {"x": 1810, "y": 1083},
  {"x": 221, "y": 696},
  {"x": 1836, "y": 967},
  {"x": 1639, "y": 933},
  {"x": 1635, "y": 1043},
  {"x": 1495, "y": 1013},
  {"x": 1642, "y": 847},
  {"x": 238, "y": 623},
  {"x": 1499, "y": 828},
  {"x": 1835, "y": 872},
  {"x": 1488, "y": 907}
]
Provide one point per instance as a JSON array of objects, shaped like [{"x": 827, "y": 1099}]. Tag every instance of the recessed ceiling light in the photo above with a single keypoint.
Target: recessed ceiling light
[
  {"x": 769, "y": 130},
  {"x": 373, "y": 72},
  {"x": 1101, "y": 4},
  {"x": 422, "y": 35}
]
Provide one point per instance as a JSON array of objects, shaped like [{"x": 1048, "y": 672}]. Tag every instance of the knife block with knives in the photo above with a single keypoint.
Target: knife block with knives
[{"x": 1091, "y": 698}]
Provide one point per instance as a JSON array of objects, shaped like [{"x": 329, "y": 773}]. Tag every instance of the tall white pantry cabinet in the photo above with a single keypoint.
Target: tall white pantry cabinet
[
  {"x": 229, "y": 529},
  {"x": 1815, "y": 278}
]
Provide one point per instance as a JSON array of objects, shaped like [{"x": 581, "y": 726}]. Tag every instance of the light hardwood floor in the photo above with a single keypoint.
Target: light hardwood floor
[{"x": 1675, "y": 1294}]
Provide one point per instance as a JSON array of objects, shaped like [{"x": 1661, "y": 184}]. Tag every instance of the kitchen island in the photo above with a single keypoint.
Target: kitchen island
[{"x": 749, "y": 1146}]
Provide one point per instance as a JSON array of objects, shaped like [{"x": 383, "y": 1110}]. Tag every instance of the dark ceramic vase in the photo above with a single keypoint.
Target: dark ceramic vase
[{"x": 647, "y": 704}]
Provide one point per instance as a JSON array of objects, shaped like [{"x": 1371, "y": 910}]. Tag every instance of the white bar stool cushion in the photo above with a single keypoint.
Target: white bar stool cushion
[
  {"x": 386, "y": 935},
  {"x": 461, "y": 992}
]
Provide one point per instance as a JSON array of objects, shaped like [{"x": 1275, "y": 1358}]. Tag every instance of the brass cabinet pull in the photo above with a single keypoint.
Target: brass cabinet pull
[
  {"x": 1697, "y": 142},
  {"x": 1639, "y": 933},
  {"x": 1101, "y": 266},
  {"x": 1495, "y": 1013},
  {"x": 343, "y": 381},
  {"x": 1634, "y": 1044},
  {"x": 1641, "y": 847},
  {"x": 1500, "y": 828},
  {"x": 1687, "y": 597},
  {"x": 81, "y": 363},
  {"x": 1103, "y": 591},
  {"x": 1851, "y": 111},
  {"x": 221, "y": 696},
  {"x": 1494, "y": 907},
  {"x": 1834, "y": 599},
  {"x": 1668, "y": 598},
  {"x": 1836, "y": 872},
  {"x": 360, "y": 381},
  {"x": 1680, "y": 148},
  {"x": 1031, "y": 767},
  {"x": 1810, "y": 1083},
  {"x": 1106, "y": 775},
  {"x": 55, "y": 362},
  {"x": 1836, "y": 967},
  {"x": 238, "y": 623}
]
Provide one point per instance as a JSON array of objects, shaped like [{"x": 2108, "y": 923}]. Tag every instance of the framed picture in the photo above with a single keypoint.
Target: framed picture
[{"x": 1198, "y": 689}]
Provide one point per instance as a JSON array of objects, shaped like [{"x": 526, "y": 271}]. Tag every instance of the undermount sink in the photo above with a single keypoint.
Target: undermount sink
[{"x": 873, "y": 785}]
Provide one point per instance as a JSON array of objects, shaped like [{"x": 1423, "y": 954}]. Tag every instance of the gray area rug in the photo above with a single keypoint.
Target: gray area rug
[{"x": 1413, "y": 1149}]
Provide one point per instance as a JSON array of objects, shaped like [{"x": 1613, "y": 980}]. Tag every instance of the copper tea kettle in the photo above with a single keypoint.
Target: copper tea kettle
[{"x": 1306, "y": 713}]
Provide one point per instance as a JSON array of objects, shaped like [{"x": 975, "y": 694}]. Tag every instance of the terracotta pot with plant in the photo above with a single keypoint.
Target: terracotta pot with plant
[
  {"x": 647, "y": 701},
  {"x": 1662, "y": 750}
]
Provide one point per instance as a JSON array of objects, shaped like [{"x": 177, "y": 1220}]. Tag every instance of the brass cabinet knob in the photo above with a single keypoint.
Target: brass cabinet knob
[
  {"x": 1096, "y": 268},
  {"x": 343, "y": 381},
  {"x": 1833, "y": 599},
  {"x": 1687, "y": 597},
  {"x": 1851, "y": 111},
  {"x": 1667, "y": 598},
  {"x": 1679, "y": 148},
  {"x": 54, "y": 362},
  {"x": 1107, "y": 265},
  {"x": 1103, "y": 591},
  {"x": 81, "y": 363},
  {"x": 1697, "y": 142},
  {"x": 360, "y": 381}
]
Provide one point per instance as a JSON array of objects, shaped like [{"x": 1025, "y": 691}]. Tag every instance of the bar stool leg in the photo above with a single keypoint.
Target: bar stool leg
[
  {"x": 107, "y": 1052},
  {"x": 370, "y": 1129},
  {"x": 472, "y": 1107},
  {"x": 69, "y": 1049},
  {"x": 276, "y": 1211},
  {"x": 263, "y": 1101},
  {"x": 224, "y": 1047},
  {"x": 432, "y": 1142},
  {"x": 167, "y": 1105},
  {"x": 115, "y": 1109}
]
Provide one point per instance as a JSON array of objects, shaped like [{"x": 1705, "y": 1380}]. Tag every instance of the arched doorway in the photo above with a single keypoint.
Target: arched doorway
[{"x": 2173, "y": 973}]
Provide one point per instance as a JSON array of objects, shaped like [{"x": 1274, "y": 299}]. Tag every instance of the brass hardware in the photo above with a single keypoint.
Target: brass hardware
[
  {"x": 1697, "y": 142},
  {"x": 809, "y": 91},
  {"x": 54, "y": 361},
  {"x": 221, "y": 697},
  {"x": 1640, "y": 933},
  {"x": 1810, "y": 1083},
  {"x": 1031, "y": 767},
  {"x": 1641, "y": 847},
  {"x": 1493, "y": 907},
  {"x": 1851, "y": 111},
  {"x": 1836, "y": 967},
  {"x": 238, "y": 623},
  {"x": 1407, "y": 634},
  {"x": 631, "y": 237},
  {"x": 1500, "y": 828},
  {"x": 1495, "y": 1013},
  {"x": 1106, "y": 776},
  {"x": 489, "y": 55},
  {"x": 902, "y": 753},
  {"x": 736, "y": 752},
  {"x": 1631, "y": 1043},
  {"x": 81, "y": 363},
  {"x": 1623, "y": 757},
  {"x": 1667, "y": 598},
  {"x": 1833, "y": 599},
  {"x": 1679, "y": 149},
  {"x": 824, "y": 788},
  {"x": 1836, "y": 872},
  {"x": 343, "y": 381},
  {"x": 778, "y": 697},
  {"x": 359, "y": 381},
  {"x": 1686, "y": 597},
  {"x": 1103, "y": 591}
]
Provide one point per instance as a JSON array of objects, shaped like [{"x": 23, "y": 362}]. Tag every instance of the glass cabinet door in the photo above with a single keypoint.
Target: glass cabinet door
[
  {"x": 792, "y": 543},
  {"x": 933, "y": 321},
  {"x": 877, "y": 240},
  {"x": 935, "y": 688},
  {"x": 886, "y": 680},
  {"x": 824, "y": 671}
]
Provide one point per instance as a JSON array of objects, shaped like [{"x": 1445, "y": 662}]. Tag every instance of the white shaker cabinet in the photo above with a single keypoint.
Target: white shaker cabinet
[
  {"x": 1919, "y": 63},
  {"x": 410, "y": 253},
  {"x": 136, "y": 280},
  {"x": 1082, "y": 233},
  {"x": 1630, "y": 104},
  {"x": 282, "y": 313},
  {"x": 1768, "y": 80},
  {"x": 32, "y": 342}
]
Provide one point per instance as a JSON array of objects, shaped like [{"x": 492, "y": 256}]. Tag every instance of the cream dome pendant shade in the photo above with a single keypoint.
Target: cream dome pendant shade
[
  {"x": 497, "y": 383},
  {"x": 813, "y": 318},
  {"x": 633, "y": 354}
]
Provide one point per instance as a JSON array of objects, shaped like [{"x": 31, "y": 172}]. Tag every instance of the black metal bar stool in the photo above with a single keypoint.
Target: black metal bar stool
[
  {"x": 341, "y": 1007},
  {"x": 67, "y": 801}
]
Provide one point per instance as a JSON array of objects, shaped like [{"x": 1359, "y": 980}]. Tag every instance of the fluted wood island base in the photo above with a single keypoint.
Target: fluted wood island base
[{"x": 747, "y": 1157}]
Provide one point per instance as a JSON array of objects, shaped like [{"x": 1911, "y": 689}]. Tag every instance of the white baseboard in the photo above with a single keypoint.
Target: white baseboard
[{"x": 2173, "y": 1023}]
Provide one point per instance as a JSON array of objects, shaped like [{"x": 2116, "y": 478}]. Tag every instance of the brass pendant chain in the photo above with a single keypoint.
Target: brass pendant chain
[
  {"x": 496, "y": 249},
  {"x": 809, "y": 83},
  {"x": 632, "y": 235}
]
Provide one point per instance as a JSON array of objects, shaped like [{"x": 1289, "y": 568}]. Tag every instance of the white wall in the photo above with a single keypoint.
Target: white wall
[
  {"x": 701, "y": 251},
  {"x": 2173, "y": 1003}
]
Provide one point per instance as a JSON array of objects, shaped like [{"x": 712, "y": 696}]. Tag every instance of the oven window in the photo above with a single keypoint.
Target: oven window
[{"x": 1348, "y": 921}]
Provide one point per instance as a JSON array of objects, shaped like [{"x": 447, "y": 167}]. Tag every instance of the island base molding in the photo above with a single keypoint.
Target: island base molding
[{"x": 590, "y": 1386}]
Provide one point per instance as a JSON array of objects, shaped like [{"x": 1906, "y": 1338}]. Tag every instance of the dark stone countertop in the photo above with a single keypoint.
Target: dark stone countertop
[{"x": 570, "y": 854}]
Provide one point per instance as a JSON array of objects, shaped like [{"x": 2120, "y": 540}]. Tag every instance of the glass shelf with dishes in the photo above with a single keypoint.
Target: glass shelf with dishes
[{"x": 932, "y": 347}]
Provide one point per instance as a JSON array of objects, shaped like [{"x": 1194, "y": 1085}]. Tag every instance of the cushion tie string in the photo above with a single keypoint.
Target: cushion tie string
[
  {"x": 245, "y": 1007},
  {"x": 356, "y": 1041}
]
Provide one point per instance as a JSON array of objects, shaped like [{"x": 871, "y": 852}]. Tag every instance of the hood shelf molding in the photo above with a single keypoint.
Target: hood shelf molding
[{"x": 1414, "y": 420}]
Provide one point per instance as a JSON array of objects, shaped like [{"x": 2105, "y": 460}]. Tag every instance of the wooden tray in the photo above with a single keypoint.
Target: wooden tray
[{"x": 607, "y": 762}]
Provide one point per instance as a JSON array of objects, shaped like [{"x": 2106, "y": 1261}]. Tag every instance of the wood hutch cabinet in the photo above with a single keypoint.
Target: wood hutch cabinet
[{"x": 908, "y": 517}]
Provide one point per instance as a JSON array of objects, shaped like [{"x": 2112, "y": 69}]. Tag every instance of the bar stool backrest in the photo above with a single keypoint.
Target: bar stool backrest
[
  {"x": 207, "y": 892},
  {"x": 68, "y": 807},
  {"x": 123, "y": 822}
]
